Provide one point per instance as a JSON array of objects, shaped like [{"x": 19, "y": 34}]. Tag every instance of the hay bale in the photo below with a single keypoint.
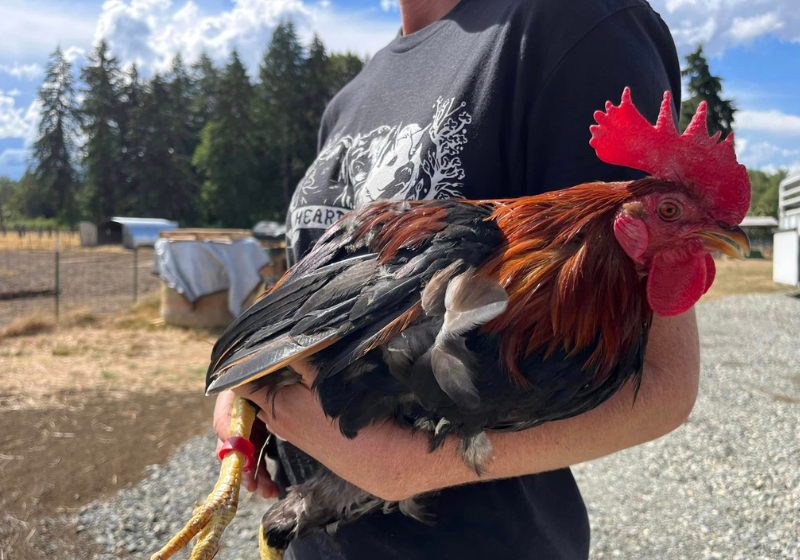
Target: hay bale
[{"x": 208, "y": 312}]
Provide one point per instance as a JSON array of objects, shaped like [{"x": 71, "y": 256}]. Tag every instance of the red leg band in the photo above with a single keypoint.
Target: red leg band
[{"x": 242, "y": 445}]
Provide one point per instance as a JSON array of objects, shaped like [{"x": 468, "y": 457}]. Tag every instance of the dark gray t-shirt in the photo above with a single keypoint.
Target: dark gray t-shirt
[{"x": 493, "y": 101}]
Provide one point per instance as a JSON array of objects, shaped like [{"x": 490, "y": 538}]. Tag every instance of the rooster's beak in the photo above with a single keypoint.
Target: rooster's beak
[{"x": 732, "y": 241}]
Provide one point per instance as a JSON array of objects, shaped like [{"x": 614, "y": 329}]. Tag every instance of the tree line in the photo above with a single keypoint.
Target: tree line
[
  {"x": 201, "y": 144},
  {"x": 206, "y": 145}
]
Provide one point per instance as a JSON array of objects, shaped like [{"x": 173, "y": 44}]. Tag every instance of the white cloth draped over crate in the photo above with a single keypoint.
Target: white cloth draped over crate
[{"x": 199, "y": 268}]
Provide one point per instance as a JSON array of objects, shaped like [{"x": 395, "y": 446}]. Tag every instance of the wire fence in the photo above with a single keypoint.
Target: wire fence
[{"x": 48, "y": 272}]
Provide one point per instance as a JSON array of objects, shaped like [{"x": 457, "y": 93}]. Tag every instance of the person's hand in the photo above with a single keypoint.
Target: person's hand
[
  {"x": 379, "y": 460},
  {"x": 262, "y": 484}
]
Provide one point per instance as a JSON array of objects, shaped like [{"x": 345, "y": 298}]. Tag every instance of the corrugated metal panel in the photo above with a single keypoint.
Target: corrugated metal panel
[
  {"x": 759, "y": 221},
  {"x": 138, "y": 232},
  {"x": 789, "y": 202}
]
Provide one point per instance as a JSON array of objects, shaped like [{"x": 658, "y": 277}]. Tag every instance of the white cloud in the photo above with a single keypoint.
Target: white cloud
[
  {"x": 389, "y": 5},
  {"x": 14, "y": 157},
  {"x": 745, "y": 29},
  {"x": 151, "y": 32},
  {"x": 73, "y": 53},
  {"x": 31, "y": 29},
  {"x": 22, "y": 71},
  {"x": 356, "y": 32},
  {"x": 768, "y": 155},
  {"x": 17, "y": 122},
  {"x": 768, "y": 121},
  {"x": 14, "y": 93},
  {"x": 12, "y": 119},
  {"x": 722, "y": 24},
  {"x": 792, "y": 168}
]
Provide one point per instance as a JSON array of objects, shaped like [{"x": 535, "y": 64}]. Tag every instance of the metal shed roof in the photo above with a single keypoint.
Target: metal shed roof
[
  {"x": 137, "y": 232},
  {"x": 759, "y": 221},
  {"x": 269, "y": 230}
]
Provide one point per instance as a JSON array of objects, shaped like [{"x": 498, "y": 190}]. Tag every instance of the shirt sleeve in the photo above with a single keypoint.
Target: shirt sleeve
[{"x": 633, "y": 48}]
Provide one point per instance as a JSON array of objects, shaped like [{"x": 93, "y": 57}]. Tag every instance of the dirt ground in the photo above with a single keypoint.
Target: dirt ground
[
  {"x": 753, "y": 276},
  {"x": 87, "y": 404},
  {"x": 84, "y": 408},
  {"x": 101, "y": 278}
]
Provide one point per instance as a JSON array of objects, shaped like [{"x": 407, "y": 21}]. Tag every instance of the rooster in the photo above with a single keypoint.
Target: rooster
[{"x": 458, "y": 317}]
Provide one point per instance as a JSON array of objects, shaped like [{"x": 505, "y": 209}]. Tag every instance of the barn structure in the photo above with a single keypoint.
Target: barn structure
[
  {"x": 786, "y": 240},
  {"x": 759, "y": 230},
  {"x": 128, "y": 232}
]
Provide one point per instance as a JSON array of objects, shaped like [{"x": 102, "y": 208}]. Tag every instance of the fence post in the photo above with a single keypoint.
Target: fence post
[
  {"x": 135, "y": 274},
  {"x": 58, "y": 274}
]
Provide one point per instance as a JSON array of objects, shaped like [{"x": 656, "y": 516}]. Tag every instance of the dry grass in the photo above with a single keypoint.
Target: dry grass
[
  {"x": 11, "y": 241},
  {"x": 123, "y": 353},
  {"x": 38, "y": 323},
  {"x": 28, "y": 326},
  {"x": 143, "y": 314},
  {"x": 67, "y": 242},
  {"x": 753, "y": 276}
]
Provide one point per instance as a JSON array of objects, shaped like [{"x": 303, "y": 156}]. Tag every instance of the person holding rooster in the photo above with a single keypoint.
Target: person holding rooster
[{"x": 479, "y": 100}]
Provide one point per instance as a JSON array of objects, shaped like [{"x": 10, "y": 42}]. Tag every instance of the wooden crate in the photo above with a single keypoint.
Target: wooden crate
[{"x": 208, "y": 312}]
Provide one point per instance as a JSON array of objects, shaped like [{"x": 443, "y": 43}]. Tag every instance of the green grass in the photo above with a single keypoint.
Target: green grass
[
  {"x": 62, "y": 350},
  {"x": 109, "y": 375}
]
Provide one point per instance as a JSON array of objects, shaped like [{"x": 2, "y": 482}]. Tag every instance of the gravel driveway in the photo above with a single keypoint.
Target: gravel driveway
[{"x": 726, "y": 485}]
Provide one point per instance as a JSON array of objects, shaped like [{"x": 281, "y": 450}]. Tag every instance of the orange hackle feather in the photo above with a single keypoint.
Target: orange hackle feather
[{"x": 570, "y": 284}]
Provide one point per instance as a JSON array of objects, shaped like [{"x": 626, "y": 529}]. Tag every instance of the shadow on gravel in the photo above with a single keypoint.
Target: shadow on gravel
[{"x": 55, "y": 460}]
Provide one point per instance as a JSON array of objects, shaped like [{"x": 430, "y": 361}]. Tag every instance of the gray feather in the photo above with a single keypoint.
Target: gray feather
[
  {"x": 263, "y": 358},
  {"x": 434, "y": 293},
  {"x": 454, "y": 368},
  {"x": 471, "y": 301}
]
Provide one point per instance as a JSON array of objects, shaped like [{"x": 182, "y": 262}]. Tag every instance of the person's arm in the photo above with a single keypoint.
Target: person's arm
[{"x": 391, "y": 463}]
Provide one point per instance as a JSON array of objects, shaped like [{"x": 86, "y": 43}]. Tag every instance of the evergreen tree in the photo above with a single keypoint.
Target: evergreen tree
[
  {"x": 52, "y": 152},
  {"x": 101, "y": 115},
  {"x": 343, "y": 68},
  {"x": 280, "y": 108},
  {"x": 206, "y": 91},
  {"x": 155, "y": 167},
  {"x": 181, "y": 198},
  {"x": 132, "y": 143},
  {"x": 30, "y": 199},
  {"x": 704, "y": 86},
  {"x": 766, "y": 187},
  {"x": 8, "y": 190},
  {"x": 232, "y": 194},
  {"x": 317, "y": 93}
]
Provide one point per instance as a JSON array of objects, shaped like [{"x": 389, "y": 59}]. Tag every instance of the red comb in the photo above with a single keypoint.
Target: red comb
[{"x": 622, "y": 136}]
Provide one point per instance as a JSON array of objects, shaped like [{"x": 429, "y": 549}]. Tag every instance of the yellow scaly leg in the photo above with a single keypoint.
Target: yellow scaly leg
[{"x": 210, "y": 519}]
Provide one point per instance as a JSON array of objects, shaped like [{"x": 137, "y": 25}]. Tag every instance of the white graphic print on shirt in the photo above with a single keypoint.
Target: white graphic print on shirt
[{"x": 402, "y": 162}]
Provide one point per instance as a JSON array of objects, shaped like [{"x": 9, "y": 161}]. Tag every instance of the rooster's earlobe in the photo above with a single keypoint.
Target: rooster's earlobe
[{"x": 631, "y": 233}]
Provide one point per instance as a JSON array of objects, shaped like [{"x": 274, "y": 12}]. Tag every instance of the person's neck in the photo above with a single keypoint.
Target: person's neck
[{"x": 417, "y": 14}]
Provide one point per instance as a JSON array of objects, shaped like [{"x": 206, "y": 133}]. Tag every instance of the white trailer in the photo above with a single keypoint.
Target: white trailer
[{"x": 786, "y": 240}]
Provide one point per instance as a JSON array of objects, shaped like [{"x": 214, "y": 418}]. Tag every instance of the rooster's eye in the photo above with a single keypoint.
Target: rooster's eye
[{"x": 669, "y": 210}]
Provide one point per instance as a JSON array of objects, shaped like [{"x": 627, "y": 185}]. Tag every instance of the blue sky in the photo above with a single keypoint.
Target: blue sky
[{"x": 754, "y": 46}]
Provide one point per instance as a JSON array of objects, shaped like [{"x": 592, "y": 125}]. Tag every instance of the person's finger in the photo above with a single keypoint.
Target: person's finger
[
  {"x": 222, "y": 414},
  {"x": 266, "y": 487}
]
